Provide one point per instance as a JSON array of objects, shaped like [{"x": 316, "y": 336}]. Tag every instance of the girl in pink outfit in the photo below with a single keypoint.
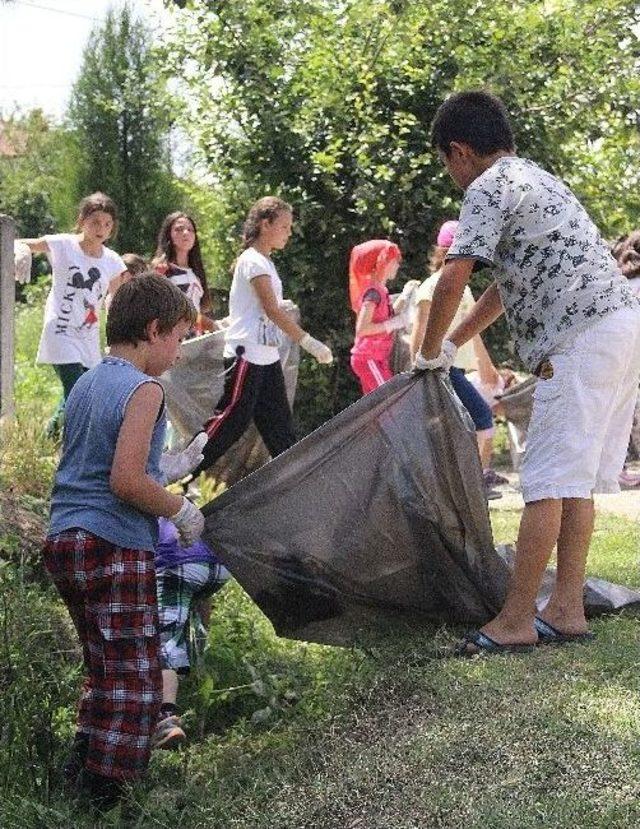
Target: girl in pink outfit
[{"x": 371, "y": 265}]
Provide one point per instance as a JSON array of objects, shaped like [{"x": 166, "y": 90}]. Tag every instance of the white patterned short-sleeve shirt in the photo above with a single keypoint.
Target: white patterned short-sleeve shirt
[{"x": 554, "y": 272}]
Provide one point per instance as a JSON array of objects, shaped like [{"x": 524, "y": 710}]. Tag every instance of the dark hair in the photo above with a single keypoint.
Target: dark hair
[
  {"x": 476, "y": 118},
  {"x": 166, "y": 254},
  {"x": 269, "y": 208},
  {"x": 140, "y": 301},
  {"x": 136, "y": 265},
  {"x": 97, "y": 203},
  {"x": 627, "y": 254},
  {"x": 436, "y": 258}
]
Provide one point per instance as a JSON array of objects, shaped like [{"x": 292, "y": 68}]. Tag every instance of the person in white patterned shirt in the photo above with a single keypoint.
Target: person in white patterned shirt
[{"x": 575, "y": 324}]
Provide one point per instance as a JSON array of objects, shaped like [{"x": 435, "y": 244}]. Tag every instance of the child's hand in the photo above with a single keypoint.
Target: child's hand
[
  {"x": 175, "y": 465},
  {"x": 398, "y": 322},
  {"x": 189, "y": 522},
  {"x": 319, "y": 350}
]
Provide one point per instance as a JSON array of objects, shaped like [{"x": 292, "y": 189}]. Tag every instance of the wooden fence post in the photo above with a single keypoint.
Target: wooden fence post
[{"x": 7, "y": 307}]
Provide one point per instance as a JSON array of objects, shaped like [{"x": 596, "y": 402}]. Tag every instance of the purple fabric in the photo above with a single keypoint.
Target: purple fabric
[{"x": 169, "y": 553}]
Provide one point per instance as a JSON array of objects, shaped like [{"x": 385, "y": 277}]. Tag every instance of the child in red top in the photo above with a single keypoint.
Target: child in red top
[{"x": 371, "y": 265}]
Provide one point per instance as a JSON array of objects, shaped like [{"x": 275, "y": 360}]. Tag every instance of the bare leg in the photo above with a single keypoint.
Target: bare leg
[
  {"x": 538, "y": 534},
  {"x": 485, "y": 448},
  {"x": 169, "y": 686},
  {"x": 565, "y": 608}
]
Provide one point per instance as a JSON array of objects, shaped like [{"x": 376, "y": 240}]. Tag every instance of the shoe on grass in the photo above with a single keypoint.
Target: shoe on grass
[
  {"x": 168, "y": 733},
  {"x": 493, "y": 478}
]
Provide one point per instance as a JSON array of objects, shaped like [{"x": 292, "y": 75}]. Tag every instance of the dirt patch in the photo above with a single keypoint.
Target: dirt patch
[{"x": 625, "y": 503}]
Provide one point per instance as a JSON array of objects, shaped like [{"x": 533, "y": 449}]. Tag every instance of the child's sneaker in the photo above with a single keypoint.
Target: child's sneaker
[
  {"x": 492, "y": 478},
  {"x": 168, "y": 733}
]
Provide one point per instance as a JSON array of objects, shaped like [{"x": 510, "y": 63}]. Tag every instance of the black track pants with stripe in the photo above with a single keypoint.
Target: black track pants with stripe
[{"x": 251, "y": 392}]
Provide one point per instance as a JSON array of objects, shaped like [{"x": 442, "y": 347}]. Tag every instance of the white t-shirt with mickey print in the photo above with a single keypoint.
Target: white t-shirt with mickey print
[
  {"x": 555, "y": 274},
  {"x": 71, "y": 331}
]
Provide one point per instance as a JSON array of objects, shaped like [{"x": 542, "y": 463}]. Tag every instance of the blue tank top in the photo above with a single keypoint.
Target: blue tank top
[{"x": 82, "y": 496}]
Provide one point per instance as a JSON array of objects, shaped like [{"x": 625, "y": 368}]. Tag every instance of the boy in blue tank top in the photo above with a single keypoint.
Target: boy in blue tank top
[{"x": 107, "y": 496}]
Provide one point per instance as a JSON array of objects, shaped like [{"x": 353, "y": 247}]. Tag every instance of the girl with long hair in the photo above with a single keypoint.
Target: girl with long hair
[
  {"x": 254, "y": 385},
  {"x": 178, "y": 257}
]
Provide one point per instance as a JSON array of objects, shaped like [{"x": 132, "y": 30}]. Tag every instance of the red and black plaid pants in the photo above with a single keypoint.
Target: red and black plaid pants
[{"x": 110, "y": 593}]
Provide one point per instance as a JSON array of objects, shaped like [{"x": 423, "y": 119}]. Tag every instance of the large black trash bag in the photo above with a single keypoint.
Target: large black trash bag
[{"x": 377, "y": 516}]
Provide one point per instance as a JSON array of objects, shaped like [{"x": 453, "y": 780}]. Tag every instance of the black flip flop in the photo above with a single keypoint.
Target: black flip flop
[
  {"x": 485, "y": 644},
  {"x": 548, "y": 635}
]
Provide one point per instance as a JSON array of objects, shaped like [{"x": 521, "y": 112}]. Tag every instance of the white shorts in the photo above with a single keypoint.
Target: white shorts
[{"x": 579, "y": 431}]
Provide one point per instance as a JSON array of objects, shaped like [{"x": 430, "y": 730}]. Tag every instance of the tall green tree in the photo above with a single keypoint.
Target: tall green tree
[
  {"x": 120, "y": 110},
  {"x": 329, "y": 105},
  {"x": 38, "y": 183}
]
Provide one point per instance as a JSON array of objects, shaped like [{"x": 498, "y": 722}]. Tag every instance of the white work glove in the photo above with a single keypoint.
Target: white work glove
[
  {"x": 22, "y": 262},
  {"x": 319, "y": 350},
  {"x": 175, "y": 465},
  {"x": 395, "y": 323},
  {"x": 442, "y": 362},
  {"x": 189, "y": 522}
]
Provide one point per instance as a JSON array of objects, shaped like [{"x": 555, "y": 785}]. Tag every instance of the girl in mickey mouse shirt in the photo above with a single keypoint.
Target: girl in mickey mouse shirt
[{"x": 84, "y": 271}]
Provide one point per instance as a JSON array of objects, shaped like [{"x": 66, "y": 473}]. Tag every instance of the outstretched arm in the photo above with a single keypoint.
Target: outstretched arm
[{"x": 36, "y": 245}]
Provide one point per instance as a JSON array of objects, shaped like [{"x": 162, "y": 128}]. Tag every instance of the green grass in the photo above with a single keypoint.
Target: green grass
[{"x": 399, "y": 735}]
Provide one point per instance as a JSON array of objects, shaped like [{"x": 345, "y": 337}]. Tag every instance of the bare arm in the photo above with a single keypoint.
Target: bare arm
[
  {"x": 268, "y": 300},
  {"x": 129, "y": 480},
  {"x": 486, "y": 369},
  {"x": 364, "y": 326},
  {"x": 116, "y": 281},
  {"x": 419, "y": 326},
  {"x": 112, "y": 287},
  {"x": 36, "y": 245},
  {"x": 486, "y": 311},
  {"x": 446, "y": 299}
]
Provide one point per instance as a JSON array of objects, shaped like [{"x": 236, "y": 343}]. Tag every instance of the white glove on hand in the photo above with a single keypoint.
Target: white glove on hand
[
  {"x": 22, "y": 262},
  {"x": 175, "y": 465},
  {"x": 442, "y": 362},
  {"x": 395, "y": 323},
  {"x": 189, "y": 522},
  {"x": 319, "y": 350}
]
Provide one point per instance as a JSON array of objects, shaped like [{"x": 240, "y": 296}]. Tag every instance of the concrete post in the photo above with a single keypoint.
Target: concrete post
[{"x": 7, "y": 308}]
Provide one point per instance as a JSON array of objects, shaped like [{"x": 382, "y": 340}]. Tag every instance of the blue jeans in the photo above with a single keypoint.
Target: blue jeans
[{"x": 472, "y": 400}]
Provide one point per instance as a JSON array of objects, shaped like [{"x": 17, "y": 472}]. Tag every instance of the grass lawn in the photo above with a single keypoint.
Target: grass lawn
[{"x": 398, "y": 735}]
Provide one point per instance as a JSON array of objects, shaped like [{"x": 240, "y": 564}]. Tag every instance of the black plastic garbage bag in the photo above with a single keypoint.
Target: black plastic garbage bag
[
  {"x": 376, "y": 518},
  {"x": 378, "y": 514}
]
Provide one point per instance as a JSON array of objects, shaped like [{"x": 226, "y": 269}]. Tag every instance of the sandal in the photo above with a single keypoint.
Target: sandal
[
  {"x": 548, "y": 635},
  {"x": 485, "y": 644}
]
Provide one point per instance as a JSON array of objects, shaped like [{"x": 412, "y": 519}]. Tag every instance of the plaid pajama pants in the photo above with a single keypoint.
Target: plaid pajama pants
[{"x": 110, "y": 593}]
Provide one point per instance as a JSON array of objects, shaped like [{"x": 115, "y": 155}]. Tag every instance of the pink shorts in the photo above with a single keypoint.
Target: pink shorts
[{"x": 371, "y": 372}]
